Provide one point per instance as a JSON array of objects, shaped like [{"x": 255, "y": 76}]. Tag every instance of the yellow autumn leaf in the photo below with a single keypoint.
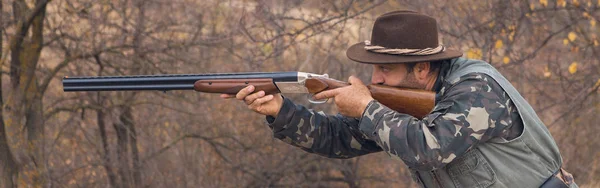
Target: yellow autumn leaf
[
  {"x": 595, "y": 42},
  {"x": 593, "y": 22},
  {"x": 506, "y": 60},
  {"x": 267, "y": 49},
  {"x": 474, "y": 53},
  {"x": 547, "y": 73},
  {"x": 561, "y": 3},
  {"x": 499, "y": 44},
  {"x": 566, "y": 41},
  {"x": 573, "y": 68},
  {"x": 572, "y": 36},
  {"x": 576, "y": 3},
  {"x": 531, "y": 6},
  {"x": 586, "y": 15},
  {"x": 597, "y": 83},
  {"x": 544, "y": 2}
]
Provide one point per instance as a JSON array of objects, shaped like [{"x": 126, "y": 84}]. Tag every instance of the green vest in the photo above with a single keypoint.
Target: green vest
[{"x": 526, "y": 161}]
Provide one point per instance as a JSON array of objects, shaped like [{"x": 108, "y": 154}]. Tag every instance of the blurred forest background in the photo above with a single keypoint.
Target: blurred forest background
[{"x": 48, "y": 138}]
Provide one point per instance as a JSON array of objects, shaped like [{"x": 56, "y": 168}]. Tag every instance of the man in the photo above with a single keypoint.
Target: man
[{"x": 481, "y": 132}]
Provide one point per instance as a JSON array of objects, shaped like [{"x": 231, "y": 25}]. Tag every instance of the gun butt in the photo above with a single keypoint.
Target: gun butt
[{"x": 417, "y": 103}]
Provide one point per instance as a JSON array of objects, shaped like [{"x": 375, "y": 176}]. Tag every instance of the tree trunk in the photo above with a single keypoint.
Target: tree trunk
[
  {"x": 100, "y": 115},
  {"x": 126, "y": 140},
  {"x": 123, "y": 149},
  {"x": 137, "y": 43},
  {"x": 350, "y": 171},
  {"x": 7, "y": 162},
  {"x": 137, "y": 175},
  {"x": 35, "y": 139},
  {"x": 129, "y": 163},
  {"x": 8, "y": 165},
  {"x": 112, "y": 177},
  {"x": 25, "y": 99}
]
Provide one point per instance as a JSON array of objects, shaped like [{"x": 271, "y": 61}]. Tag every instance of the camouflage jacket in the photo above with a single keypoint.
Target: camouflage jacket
[{"x": 422, "y": 144}]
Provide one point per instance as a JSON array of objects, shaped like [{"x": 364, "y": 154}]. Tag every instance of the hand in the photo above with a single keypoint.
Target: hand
[
  {"x": 350, "y": 100},
  {"x": 258, "y": 102}
]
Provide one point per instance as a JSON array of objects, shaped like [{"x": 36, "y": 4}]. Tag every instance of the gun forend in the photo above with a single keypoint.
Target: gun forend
[{"x": 233, "y": 86}]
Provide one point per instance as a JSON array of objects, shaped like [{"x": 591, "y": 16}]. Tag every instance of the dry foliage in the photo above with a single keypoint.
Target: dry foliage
[{"x": 48, "y": 138}]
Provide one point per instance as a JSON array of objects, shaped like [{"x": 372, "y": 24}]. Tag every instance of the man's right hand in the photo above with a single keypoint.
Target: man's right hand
[{"x": 258, "y": 102}]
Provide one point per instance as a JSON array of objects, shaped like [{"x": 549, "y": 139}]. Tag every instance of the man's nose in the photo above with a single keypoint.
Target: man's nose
[{"x": 376, "y": 79}]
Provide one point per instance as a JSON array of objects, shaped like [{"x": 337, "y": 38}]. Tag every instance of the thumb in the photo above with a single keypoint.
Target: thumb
[{"x": 355, "y": 81}]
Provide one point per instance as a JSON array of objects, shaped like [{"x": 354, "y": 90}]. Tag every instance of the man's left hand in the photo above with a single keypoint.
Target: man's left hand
[{"x": 350, "y": 100}]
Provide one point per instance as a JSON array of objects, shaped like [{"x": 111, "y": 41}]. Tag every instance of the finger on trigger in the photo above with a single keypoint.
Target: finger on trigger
[
  {"x": 244, "y": 92},
  {"x": 325, "y": 94}
]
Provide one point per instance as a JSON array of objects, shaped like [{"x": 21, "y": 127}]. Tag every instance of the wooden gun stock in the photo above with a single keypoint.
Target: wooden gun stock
[{"x": 417, "y": 103}]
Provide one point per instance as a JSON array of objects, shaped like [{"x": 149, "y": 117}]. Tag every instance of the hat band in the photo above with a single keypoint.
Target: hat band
[{"x": 402, "y": 51}]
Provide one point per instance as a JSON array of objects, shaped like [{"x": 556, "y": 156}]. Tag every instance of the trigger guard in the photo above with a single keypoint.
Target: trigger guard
[{"x": 310, "y": 96}]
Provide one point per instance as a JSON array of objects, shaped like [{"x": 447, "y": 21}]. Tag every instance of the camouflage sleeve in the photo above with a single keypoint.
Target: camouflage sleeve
[
  {"x": 472, "y": 110},
  {"x": 329, "y": 136}
]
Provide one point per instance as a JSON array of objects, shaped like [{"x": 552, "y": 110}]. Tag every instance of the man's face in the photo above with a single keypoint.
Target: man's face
[{"x": 395, "y": 75}]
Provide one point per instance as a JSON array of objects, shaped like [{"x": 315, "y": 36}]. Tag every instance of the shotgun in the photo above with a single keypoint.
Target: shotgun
[{"x": 417, "y": 103}]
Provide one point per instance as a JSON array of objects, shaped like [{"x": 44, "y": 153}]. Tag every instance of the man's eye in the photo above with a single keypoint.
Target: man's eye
[{"x": 384, "y": 69}]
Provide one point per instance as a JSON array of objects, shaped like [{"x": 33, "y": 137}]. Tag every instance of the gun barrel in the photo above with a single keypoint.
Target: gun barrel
[{"x": 162, "y": 82}]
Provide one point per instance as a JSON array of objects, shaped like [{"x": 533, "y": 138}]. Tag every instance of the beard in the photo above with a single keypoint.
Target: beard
[{"x": 410, "y": 81}]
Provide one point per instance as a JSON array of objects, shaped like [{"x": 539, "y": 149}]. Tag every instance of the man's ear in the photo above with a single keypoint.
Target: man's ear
[{"x": 421, "y": 70}]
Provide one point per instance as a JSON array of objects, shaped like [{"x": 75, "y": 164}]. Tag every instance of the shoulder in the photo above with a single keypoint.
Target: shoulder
[{"x": 471, "y": 83}]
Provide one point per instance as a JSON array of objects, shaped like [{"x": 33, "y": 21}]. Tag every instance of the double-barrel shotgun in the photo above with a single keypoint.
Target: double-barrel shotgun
[{"x": 417, "y": 103}]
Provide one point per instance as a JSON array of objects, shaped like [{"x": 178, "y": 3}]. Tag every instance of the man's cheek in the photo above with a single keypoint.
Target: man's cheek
[{"x": 398, "y": 83}]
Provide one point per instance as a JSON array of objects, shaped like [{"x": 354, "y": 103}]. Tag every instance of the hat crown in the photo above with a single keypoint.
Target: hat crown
[{"x": 405, "y": 30}]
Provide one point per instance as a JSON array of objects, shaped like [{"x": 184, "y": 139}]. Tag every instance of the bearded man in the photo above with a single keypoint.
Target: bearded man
[{"x": 481, "y": 132}]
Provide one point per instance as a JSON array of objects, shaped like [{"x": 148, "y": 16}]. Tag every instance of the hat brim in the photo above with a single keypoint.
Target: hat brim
[{"x": 358, "y": 53}]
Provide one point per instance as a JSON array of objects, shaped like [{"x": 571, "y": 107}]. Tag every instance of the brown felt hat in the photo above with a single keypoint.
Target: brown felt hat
[{"x": 402, "y": 30}]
